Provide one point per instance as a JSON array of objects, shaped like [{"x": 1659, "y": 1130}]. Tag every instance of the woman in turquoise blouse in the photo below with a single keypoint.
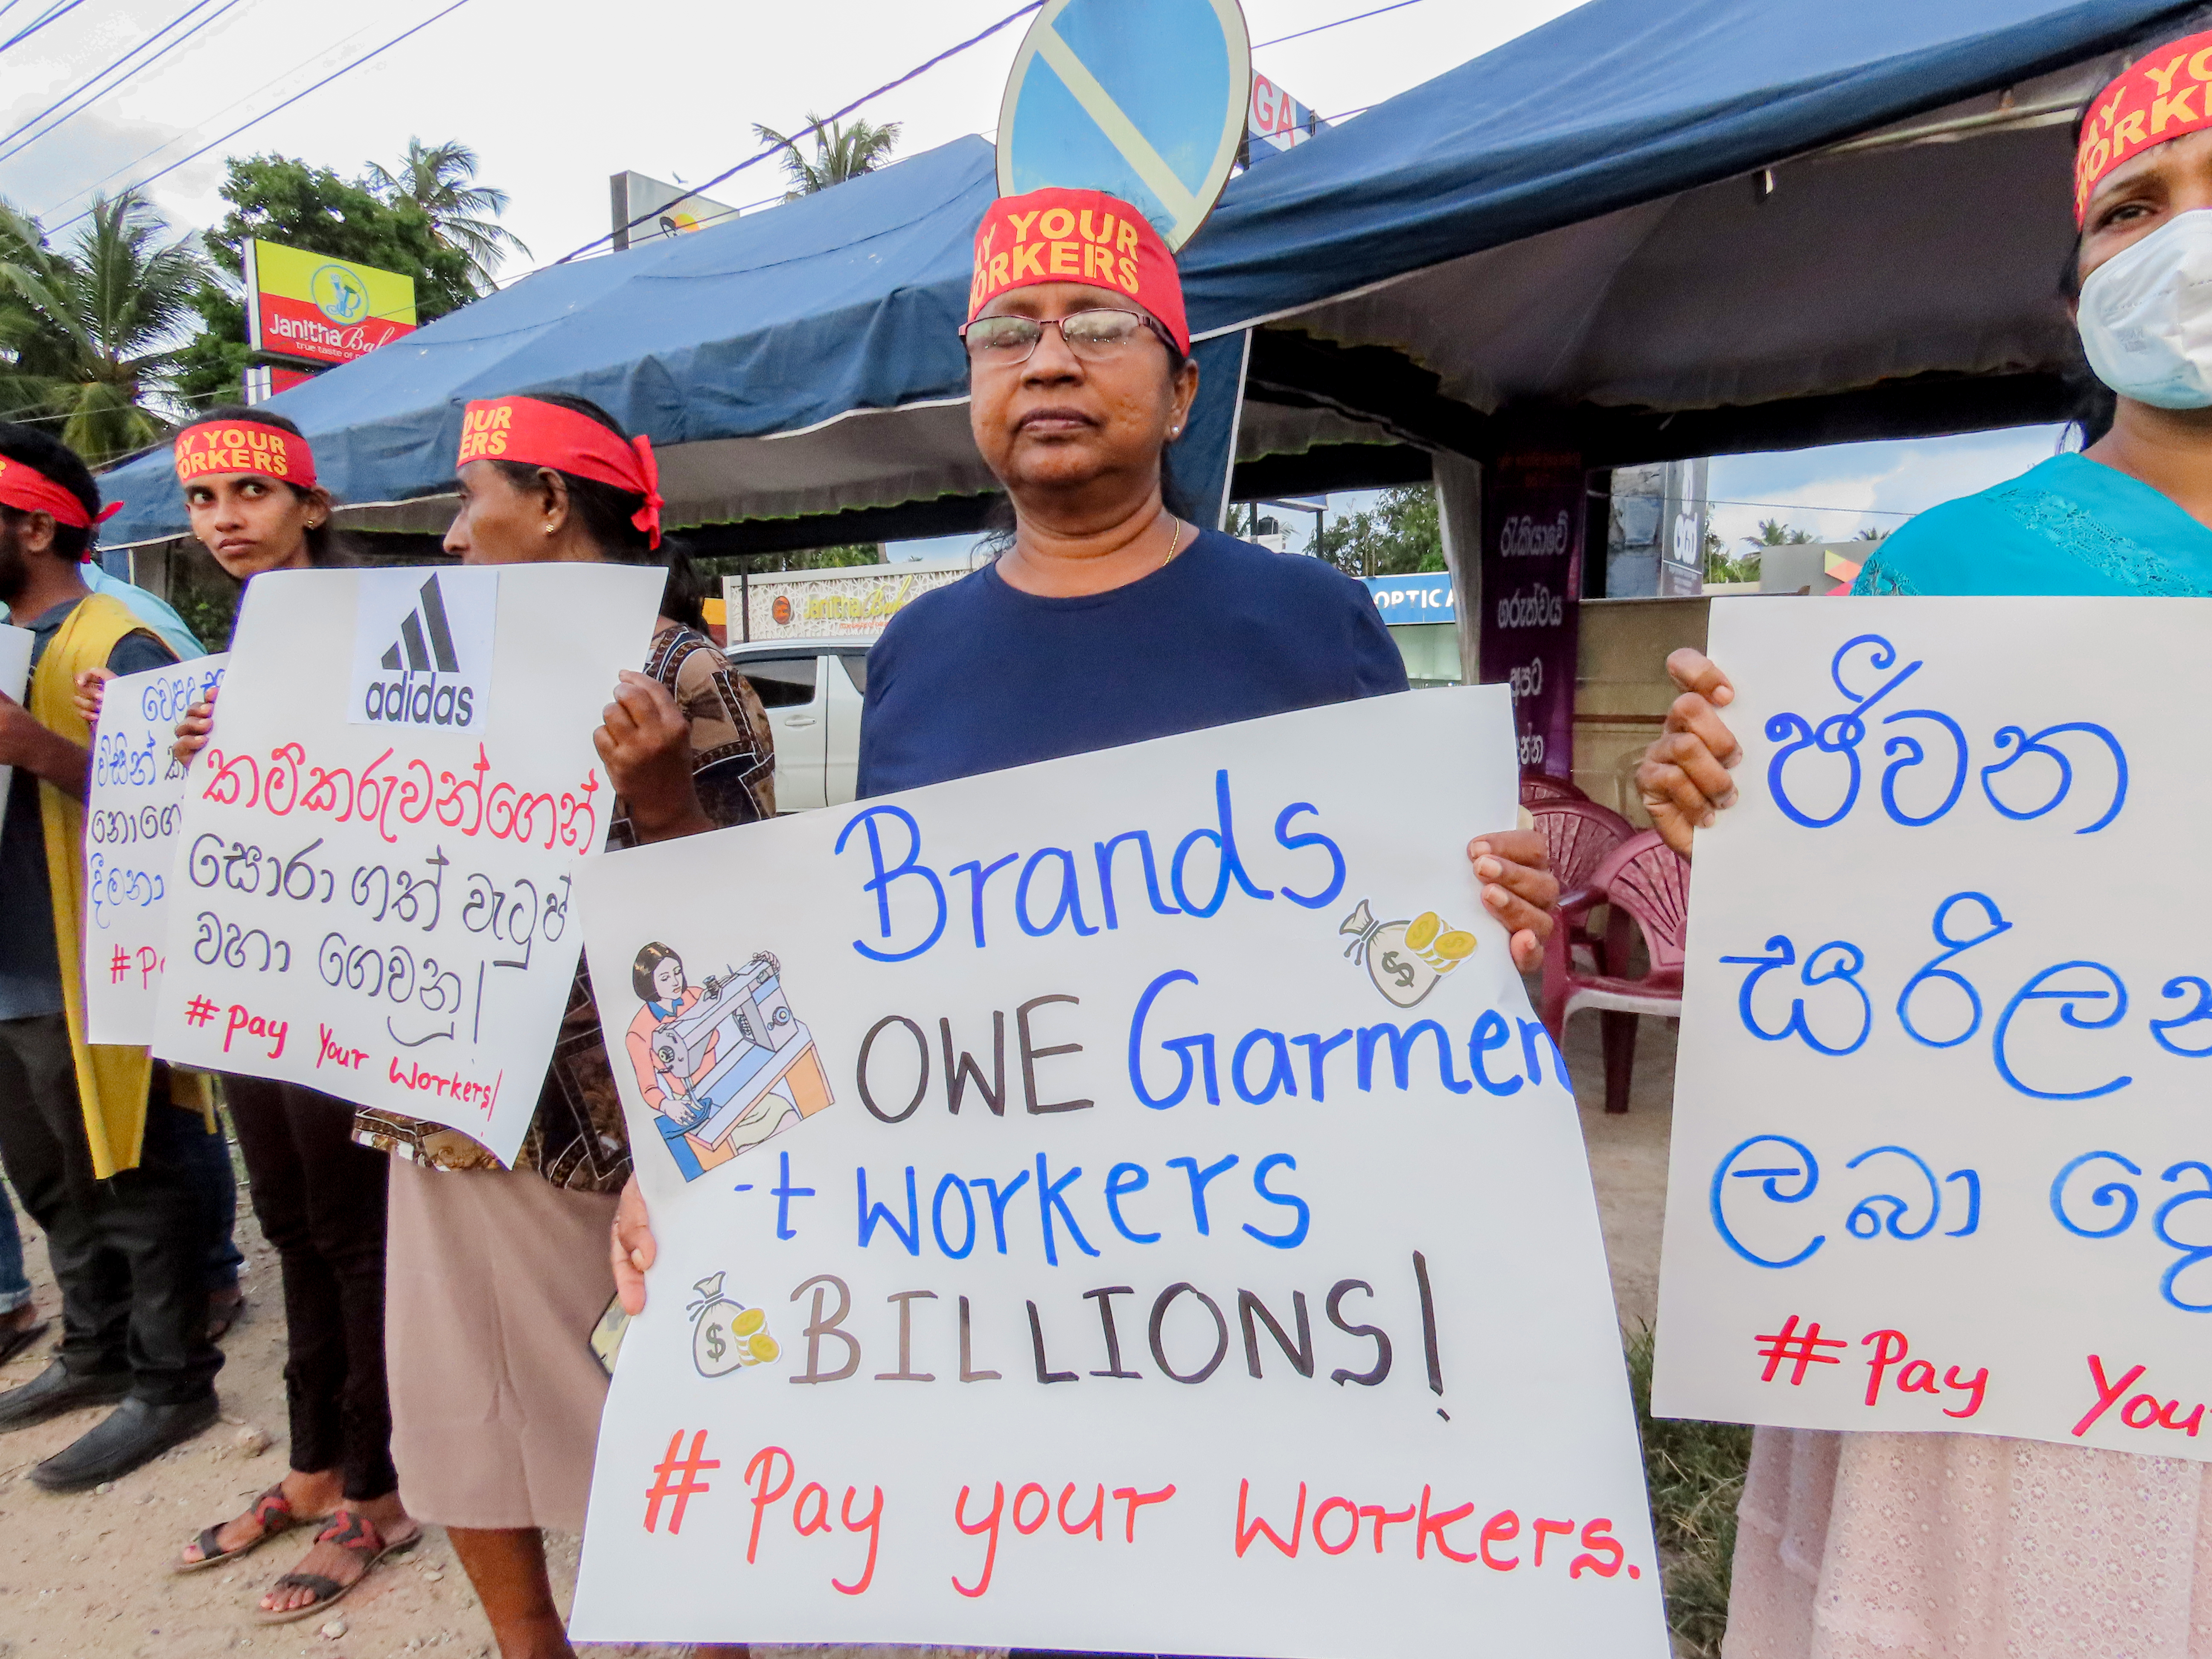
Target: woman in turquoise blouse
[
  {"x": 2075, "y": 524},
  {"x": 1966, "y": 1547}
]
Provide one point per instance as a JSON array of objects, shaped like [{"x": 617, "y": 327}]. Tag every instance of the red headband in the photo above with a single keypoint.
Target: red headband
[
  {"x": 27, "y": 490},
  {"x": 2164, "y": 95},
  {"x": 545, "y": 435},
  {"x": 215, "y": 447},
  {"x": 1077, "y": 236}
]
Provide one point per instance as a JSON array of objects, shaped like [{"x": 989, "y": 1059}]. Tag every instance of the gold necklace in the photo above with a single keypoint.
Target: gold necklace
[{"x": 1175, "y": 541}]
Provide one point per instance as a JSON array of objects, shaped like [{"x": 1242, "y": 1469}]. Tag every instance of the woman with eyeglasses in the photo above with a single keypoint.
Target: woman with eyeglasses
[{"x": 1111, "y": 617}]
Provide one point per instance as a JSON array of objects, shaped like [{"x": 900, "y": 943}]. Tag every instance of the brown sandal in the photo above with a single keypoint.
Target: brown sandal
[
  {"x": 272, "y": 1511},
  {"x": 348, "y": 1531}
]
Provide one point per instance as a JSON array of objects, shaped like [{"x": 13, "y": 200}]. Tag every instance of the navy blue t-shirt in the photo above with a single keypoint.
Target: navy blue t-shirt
[{"x": 978, "y": 676}]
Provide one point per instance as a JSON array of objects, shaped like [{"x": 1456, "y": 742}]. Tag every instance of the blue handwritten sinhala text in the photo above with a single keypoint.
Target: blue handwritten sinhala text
[{"x": 2031, "y": 776}]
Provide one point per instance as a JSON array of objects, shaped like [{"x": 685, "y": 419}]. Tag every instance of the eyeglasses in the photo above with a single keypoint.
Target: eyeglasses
[{"x": 1095, "y": 336}]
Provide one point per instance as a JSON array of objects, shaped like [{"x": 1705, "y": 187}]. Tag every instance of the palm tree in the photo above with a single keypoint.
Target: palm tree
[
  {"x": 95, "y": 333},
  {"x": 440, "y": 180},
  {"x": 840, "y": 153}
]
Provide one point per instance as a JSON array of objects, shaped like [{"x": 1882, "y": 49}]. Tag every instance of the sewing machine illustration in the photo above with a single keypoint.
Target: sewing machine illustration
[{"x": 733, "y": 1067}]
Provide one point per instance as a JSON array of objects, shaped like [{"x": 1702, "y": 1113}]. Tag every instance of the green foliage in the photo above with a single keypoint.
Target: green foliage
[
  {"x": 1870, "y": 534},
  {"x": 90, "y": 333},
  {"x": 440, "y": 178},
  {"x": 1398, "y": 536},
  {"x": 279, "y": 199},
  {"x": 1772, "y": 532},
  {"x": 1695, "y": 1473},
  {"x": 1719, "y": 567},
  {"x": 841, "y": 152}
]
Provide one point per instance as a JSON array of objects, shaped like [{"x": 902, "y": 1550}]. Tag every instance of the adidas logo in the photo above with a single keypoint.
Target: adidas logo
[{"x": 409, "y": 691}]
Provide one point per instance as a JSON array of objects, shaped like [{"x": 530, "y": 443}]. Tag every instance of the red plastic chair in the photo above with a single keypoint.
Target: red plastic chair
[
  {"x": 1578, "y": 835},
  {"x": 1644, "y": 881},
  {"x": 1540, "y": 789}
]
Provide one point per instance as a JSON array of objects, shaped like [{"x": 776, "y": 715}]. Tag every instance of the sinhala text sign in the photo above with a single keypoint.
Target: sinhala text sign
[
  {"x": 1939, "y": 1160},
  {"x": 1123, "y": 1204},
  {"x": 131, "y": 815},
  {"x": 375, "y": 886}
]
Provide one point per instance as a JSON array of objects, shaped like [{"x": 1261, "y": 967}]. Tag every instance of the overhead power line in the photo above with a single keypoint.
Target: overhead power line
[
  {"x": 343, "y": 69},
  {"x": 1318, "y": 29},
  {"x": 60, "y": 8},
  {"x": 244, "y": 98},
  {"x": 777, "y": 149},
  {"x": 198, "y": 5}
]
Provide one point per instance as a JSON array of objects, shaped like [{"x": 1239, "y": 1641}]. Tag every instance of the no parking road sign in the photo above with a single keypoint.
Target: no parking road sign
[{"x": 1145, "y": 100}]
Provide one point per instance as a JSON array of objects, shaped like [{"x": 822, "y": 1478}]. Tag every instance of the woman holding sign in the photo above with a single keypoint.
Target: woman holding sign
[
  {"x": 1961, "y": 1546},
  {"x": 1112, "y": 618},
  {"x": 498, "y": 1277},
  {"x": 250, "y": 487}
]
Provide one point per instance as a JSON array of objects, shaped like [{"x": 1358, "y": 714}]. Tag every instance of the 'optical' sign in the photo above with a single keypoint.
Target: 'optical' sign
[{"x": 327, "y": 311}]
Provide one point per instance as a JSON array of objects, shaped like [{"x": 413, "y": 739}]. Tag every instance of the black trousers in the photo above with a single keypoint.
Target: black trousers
[
  {"x": 321, "y": 1200},
  {"x": 131, "y": 1252}
]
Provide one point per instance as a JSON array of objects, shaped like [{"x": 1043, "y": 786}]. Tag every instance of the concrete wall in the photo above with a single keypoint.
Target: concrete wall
[{"x": 1622, "y": 691}]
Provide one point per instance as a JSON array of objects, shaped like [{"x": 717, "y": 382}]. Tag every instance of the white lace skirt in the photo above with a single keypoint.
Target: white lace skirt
[{"x": 1963, "y": 1546}]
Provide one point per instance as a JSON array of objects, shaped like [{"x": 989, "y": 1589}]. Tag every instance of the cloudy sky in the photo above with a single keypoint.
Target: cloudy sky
[{"x": 556, "y": 95}]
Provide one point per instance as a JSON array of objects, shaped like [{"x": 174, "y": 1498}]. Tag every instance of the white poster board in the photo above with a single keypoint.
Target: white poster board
[
  {"x": 132, "y": 813},
  {"x": 1939, "y": 1154},
  {"x": 1250, "y": 1302},
  {"x": 379, "y": 844},
  {"x": 14, "y": 677}
]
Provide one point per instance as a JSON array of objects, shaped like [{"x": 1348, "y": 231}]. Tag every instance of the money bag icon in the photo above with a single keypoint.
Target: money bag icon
[
  {"x": 1406, "y": 959},
  {"x": 725, "y": 1333}
]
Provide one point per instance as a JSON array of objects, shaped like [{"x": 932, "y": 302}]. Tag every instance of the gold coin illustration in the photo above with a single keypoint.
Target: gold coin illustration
[
  {"x": 1422, "y": 929},
  {"x": 763, "y": 1347},
  {"x": 749, "y": 1321},
  {"x": 1455, "y": 947}
]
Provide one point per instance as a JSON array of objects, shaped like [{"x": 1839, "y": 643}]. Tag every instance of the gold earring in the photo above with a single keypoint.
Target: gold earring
[{"x": 548, "y": 529}]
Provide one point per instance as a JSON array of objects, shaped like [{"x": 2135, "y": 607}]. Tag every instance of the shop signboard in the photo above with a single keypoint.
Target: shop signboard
[
  {"x": 299, "y": 304},
  {"x": 854, "y": 601},
  {"x": 646, "y": 209},
  {"x": 265, "y": 380},
  {"x": 1276, "y": 121},
  {"x": 1424, "y": 597},
  {"x": 1532, "y": 511}
]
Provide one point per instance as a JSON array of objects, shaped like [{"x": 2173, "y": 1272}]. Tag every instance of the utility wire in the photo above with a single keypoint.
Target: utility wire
[
  {"x": 198, "y": 5},
  {"x": 778, "y": 149},
  {"x": 247, "y": 97},
  {"x": 60, "y": 8},
  {"x": 343, "y": 69},
  {"x": 1319, "y": 27}
]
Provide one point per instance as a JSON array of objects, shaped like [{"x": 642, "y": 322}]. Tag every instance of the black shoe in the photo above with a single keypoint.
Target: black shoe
[
  {"x": 58, "y": 1389},
  {"x": 133, "y": 1433}
]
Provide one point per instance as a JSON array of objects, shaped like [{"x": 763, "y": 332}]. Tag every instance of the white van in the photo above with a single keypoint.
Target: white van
[{"x": 812, "y": 690}]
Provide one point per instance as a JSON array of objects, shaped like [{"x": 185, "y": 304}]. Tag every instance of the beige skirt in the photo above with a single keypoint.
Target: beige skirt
[
  {"x": 1964, "y": 1546},
  {"x": 493, "y": 1284}
]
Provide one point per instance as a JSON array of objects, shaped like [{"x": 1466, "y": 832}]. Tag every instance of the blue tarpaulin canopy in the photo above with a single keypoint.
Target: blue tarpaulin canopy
[{"x": 1679, "y": 223}]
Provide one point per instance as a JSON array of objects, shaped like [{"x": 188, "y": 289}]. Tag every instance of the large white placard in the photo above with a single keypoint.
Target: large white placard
[
  {"x": 1939, "y": 1154},
  {"x": 375, "y": 884},
  {"x": 132, "y": 813},
  {"x": 1123, "y": 1203},
  {"x": 14, "y": 675}
]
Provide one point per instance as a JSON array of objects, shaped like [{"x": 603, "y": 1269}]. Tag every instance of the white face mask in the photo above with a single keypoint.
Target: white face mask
[{"x": 2146, "y": 316}]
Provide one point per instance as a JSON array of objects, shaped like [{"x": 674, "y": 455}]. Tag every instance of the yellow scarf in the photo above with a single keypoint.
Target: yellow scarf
[{"x": 111, "y": 1082}]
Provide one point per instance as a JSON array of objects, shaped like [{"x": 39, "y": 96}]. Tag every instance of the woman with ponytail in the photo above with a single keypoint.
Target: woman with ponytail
[
  {"x": 250, "y": 488},
  {"x": 497, "y": 1276}
]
